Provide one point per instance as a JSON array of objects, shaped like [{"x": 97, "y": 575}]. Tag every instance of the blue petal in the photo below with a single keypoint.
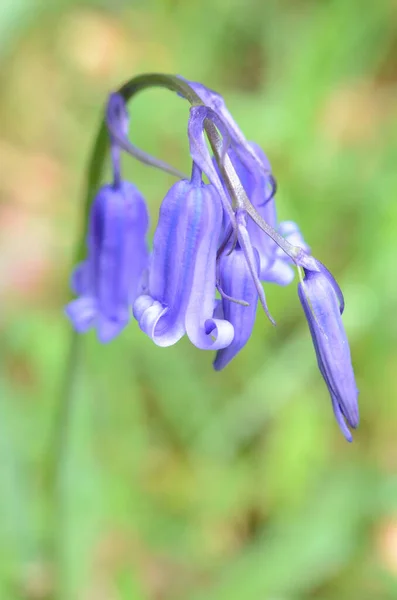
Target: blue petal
[
  {"x": 109, "y": 328},
  {"x": 80, "y": 281},
  {"x": 82, "y": 312},
  {"x": 277, "y": 271}
]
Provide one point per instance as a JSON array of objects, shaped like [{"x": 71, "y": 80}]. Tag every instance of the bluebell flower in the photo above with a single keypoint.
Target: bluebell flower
[
  {"x": 182, "y": 278},
  {"x": 239, "y": 300},
  {"x": 111, "y": 276},
  {"x": 220, "y": 238},
  {"x": 322, "y": 302}
]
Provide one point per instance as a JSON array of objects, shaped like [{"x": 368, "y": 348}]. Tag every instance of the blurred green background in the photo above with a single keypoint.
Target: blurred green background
[{"x": 160, "y": 479}]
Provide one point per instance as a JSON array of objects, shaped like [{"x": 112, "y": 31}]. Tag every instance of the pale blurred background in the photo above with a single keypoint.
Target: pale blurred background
[{"x": 164, "y": 480}]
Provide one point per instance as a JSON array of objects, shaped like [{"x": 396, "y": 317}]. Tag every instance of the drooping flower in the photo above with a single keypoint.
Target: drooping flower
[
  {"x": 322, "y": 302},
  {"x": 236, "y": 286},
  {"x": 110, "y": 278},
  {"x": 182, "y": 277},
  {"x": 223, "y": 236}
]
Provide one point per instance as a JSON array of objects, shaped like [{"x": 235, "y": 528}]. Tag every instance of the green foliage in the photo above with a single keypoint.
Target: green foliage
[{"x": 145, "y": 475}]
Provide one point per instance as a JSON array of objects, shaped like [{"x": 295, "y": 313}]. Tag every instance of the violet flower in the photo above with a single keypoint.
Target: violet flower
[
  {"x": 109, "y": 279},
  {"x": 182, "y": 277},
  {"x": 236, "y": 285},
  {"x": 322, "y": 302}
]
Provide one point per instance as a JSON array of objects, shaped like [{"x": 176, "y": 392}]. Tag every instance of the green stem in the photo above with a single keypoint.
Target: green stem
[
  {"x": 65, "y": 410},
  {"x": 170, "y": 82},
  {"x": 58, "y": 462},
  {"x": 96, "y": 167}
]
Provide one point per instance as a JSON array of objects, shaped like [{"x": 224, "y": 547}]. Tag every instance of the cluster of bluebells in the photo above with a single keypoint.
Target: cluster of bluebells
[{"x": 204, "y": 275}]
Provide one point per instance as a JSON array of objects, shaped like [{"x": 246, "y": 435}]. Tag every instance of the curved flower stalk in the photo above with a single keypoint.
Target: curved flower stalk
[
  {"x": 182, "y": 278},
  {"x": 117, "y": 120},
  {"x": 223, "y": 236},
  {"x": 322, "y": 302}
]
